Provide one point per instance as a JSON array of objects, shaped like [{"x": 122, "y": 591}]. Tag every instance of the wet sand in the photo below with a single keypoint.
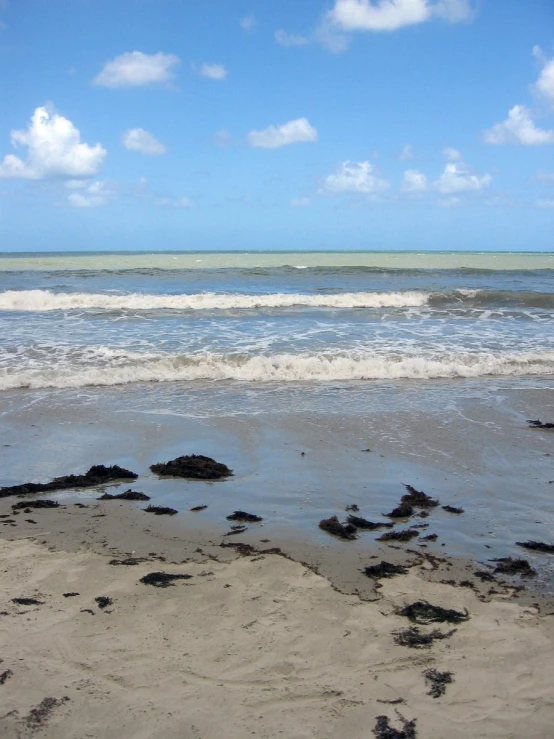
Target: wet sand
[{"x": 299, "y": 642}]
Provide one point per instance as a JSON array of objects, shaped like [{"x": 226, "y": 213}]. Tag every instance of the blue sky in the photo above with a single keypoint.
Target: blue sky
[{"x": 297, "y": 124}]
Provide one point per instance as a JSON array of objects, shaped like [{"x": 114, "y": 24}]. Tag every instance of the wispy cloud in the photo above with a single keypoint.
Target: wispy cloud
[{"x": 135, "y": 69}]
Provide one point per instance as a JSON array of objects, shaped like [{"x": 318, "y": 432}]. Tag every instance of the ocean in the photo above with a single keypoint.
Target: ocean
[{"x": 431, "y": 361}]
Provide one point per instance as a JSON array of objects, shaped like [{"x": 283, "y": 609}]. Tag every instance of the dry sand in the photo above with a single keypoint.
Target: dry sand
[{"x": 256, "y": 647}]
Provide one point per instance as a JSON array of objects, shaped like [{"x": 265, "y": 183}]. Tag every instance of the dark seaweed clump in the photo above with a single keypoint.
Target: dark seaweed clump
[
  {"x": 437, "y": 682},
  {"x": 540, "y": 425},
  {"x": 414, "y": 638},
  {"x": 404, "y": 510},
  {"x": 243, "y": 516},
  {"x": 39, "y": 716},
  {"x": 127, "y": 495},
  {"x": 128, "y": 561},
  {"x": 383, "y": 729},
  {"x": 429, "y": 537},
  {"x": 103, "y": 601},
  {"x": 35, "y": 504},
  {"x": 352, "y": 507},
  {"x": 198, "y": 508},
  {"x": 404, "y": 535},
  {"x": 336, "y": 528},
  {"x": 422, "y": 612},
  {"x": 97, "y": 475},
  {"x": 5, "y": 675},
  {"x": 27, "y": 602},
  {"x": 451, "y": 509},
  {"x": 362, "y": 523},
  {"x": 511, "y": 566},
  {"x": 385, "y": 569},
  {"x": 195, "y": 466},
  {"x": 70, "y": 595},
  {"x": 418, "y": 499},
  {"x": 537, "y": 546},
  {"x": 160, "y": 510},
  {"x": 162, "y": 579}
]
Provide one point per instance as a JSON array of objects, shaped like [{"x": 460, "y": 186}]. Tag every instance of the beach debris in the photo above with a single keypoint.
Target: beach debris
[
  {"x": 537, "y": 546},
  {"x": 235, "y": 530},
  {"x": 245, "y": 550},
  {"x": 39, "y": 715},
  {"x": 484, "y": 576},
  {"x": 392, "y": 701},
  {"x": 98, "y": 474},
  {"x": 26, "y": 505},
  {"x": 429, "y": 537},
  {"x": 383, "y": 729},
  {"x": 81, "y": 505},
  {"x": 540, "y": 425},
  {"x": 5, "y": 675},
  {"x": 512, "y": 566},
  {"x": 127, "y": 495},
  {"x": 384, "y": 569},
  {"x": 336, "y": 528},
  {"x": 363, "y": 523},
  {"x": 103, "y": 601},
  {"x": 194, "y": 466},
  {"x": 87, "y": 610},
  {"x": 243, "y": 516},
  {"x": 404, "y": 510},
  {"x": 160, "y": 510},
  {"x": 422, "y": 612},
  {"x": 418, "y": 499},
  {"x": 404, "y": 535},
  {"x": 29, "y": 520},
  {"x": 27, "y": 602},
  {"x": 451, "y": 509},
  {"x": 414, "y": 638},
  {"x": 129, "y": 561},
  {"x": 352, "y": 507},
  {"x": 198, "y": 508},
  {"x": 70, "y": 595},
  {"x": 162, "y": 579},
  {"x": 437, "y": 682}
]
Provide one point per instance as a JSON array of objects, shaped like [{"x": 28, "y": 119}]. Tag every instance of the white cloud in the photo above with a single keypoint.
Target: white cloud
[
  {"x": 544, "y": 86},
  {"x": 223, "y": 138},
  {"x": 290, "y": 39},
  {"x": 406, "y": 153},
  {"x": 300, "y": 202},
  {"x": 54, "y": 149},
  {"x": 451, "y": 155},
  {"x": 293, "y": 132},
  {"x": 178, "y": 203},
  {"x": 137, "y": 139},
  {"x": 456, "y": 178},
  {"x": 452, "y": 202},
  {"x": 518, "y": 128},
  {"x": 134, "y": 69},
  {"x": 90, "y": 194},
  {"x": 355, "y": 177},
  {"x": 248, "y": 23},
  {"x": 414, "y": 181},
  {"x": 389, "y": 15},
  {"x": 213, "y": 71},
  {"x": 544, "y": 204}
]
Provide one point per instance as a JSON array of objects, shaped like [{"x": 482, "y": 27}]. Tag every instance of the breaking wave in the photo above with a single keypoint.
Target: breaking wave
[
  {"x": 45, "y": 300},
  {"x": 133, "y": 367}
]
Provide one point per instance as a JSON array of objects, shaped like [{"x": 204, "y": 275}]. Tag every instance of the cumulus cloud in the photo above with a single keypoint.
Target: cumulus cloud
[
  {"x": 137, "y": 139},
  {"x": 457, "y": 178},
  {"x": 544, "y": 86},
  {"x": 90, "y": 194},
  {"x": 300, "y": 202},
  {"x": 290, "y": 39},
  {"x": 354, "y": 177},
  {"x": 518, "y": 128},
  {"x": 135, "y": 69},
  {"x": 54, "y": 149},
  {"x": 293, "y": 132},
  {"x": 451, "y": 155},
  {"x": 389, "y": 15},
  {"x": 414, "y": 181},
  {"x": 213, "y": 71}
]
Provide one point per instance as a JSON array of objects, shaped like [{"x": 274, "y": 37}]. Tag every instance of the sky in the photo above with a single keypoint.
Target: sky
[{"x": 264, "y": 124}]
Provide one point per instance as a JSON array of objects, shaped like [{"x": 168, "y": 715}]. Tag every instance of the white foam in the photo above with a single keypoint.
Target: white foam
[
  {"x": 276, "y": 368},
  {"x": 46, "y": 300}
]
